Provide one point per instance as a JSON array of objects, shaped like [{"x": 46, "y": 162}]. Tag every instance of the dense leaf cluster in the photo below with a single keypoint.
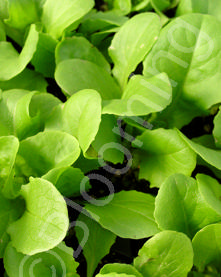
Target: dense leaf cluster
[{"x": 133, "y": 73}]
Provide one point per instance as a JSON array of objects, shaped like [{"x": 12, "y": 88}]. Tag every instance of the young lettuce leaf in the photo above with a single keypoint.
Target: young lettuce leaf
[
  {"x": 13, "y": 63},
  {"x": 8, "y": 150},
  {"x": 184, "y": 205},
  {"x": 18, "y": 17},
  {"x": 128, "y": 215},
  {"x": 59, "y": 15},
  {"x": 44, "y": 207},
  {"x": 75, "y": 117},
  {"x": 211, "y": 156},
  {"x": 141, "y": 96},
  {"x": 58, "y": 260},
  {"x": 26, "y": 80},
  {"x": 168, "y": 253},
  {"x": 188, "y": 50},
  {"x": 80, "y": 48},
  {"x": 120, "y": 269},
  {"x": 95, "y": 241},
  {"x": 207, "y": 247},
  {"x": 162, "y": 154},
  {"x": 45, "y": 151},
  {"x": 107, "y": 143},
  {"x": 200, "y": 6},
  {"x": 78, "y": 74},
  {"x": 44, "y": 58},
  {"x": 131, "y": 44},
  {"x": 67, "y": 180},
  {"x": 10, "y": 211}
]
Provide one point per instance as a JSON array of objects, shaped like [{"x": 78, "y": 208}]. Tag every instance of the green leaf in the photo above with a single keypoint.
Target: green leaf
[
  {"x": 58, "y": 260},
  {"x": 211, "y": 156},
  {"x": 45, "y": 151},
  {"x": 162, "y": 154},
  {"x": 8, "y": 150},
  {"x": 141, "y": 5},
  {"x": 128, "y": 215},
  {"x": 131, "y": 44},
  {"x": 182, "y": 203},
  {"x": 13, "y": 63},
  {"x": 75, "y": 117},
  {"x": 44, "y": 57},
  {"x": 67, "y": 180},
  {"x": 168, "y": 253},
  {"x": 120, "y": 268},
  {"x": 122, "y": 6},
  {"x": 95, "y": 241},
  {"x": 27, "y": 80},
  {"x": 141, "y": 96},
  {"x": 19, "y": 18},
  {"x": 43, "y": 104},
  {"x": 107, "y": 143},
  {"x": 94, "y": 22},
  {"x": 10, "y": 210},
  {"x": 80, "y": 48},
  {"x": 207, "y": 247},
  {"x": 45, "y": 219},
  {"x": 59, "y": 15},
  {"x": 217, "y": 129},
  {"x": 113, "y": 274},
  {"x": 74, "y": 75},
  {"x": 210, "y": 190},
  {"x": 188, "y": 50},
  {"x": 202, "y": 6},
  {"x": 15, "y": 118}
]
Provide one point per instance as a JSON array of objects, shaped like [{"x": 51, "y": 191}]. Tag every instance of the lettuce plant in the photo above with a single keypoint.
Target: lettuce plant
[{"x": 111, "y": 92}]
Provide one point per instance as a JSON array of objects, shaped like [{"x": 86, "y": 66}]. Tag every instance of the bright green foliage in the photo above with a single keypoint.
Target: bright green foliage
[
  {"x": 13, "y": 63},
  {"x": 80, "y": 48},
  {"x": 182, "y": 203},
  {"x": 44, "y": 151},
  {"x": 52, "y": 17},
  {"x": 44, "y": 206},
  {"x": 119, "y": 269},
  {"x": 87, "y": 76},
  {"x": 188, "y": 50},
  {"x": 211, "y": 156},
  {"x": 15, "y": 117},
  {"x": 165, "y": 154},
  {"x": 59, "y": 259},
  {"x": 8, "y": 150},
  {"x": 44, "y": 59},
  {"x": 27, "y": 80},
  {"x": 168, "y": 253},
  {"x": 67, "y": 180},
  {"x": 200, "y": 6},
  {"x": 133, "y": 214},
  {"x": 95, "y": 241},
  {"x": 207, "y": 247},
  {"x": 141, "y": 96},
  {"x": 126, "y": 51},
  {"x": 10, "y": 211},
  {"x": 18, "y": 17},
  {"x": 107, "y": 143},
  {"x": 75, "y": 117},
  {"x": 110, "y": 119}
]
